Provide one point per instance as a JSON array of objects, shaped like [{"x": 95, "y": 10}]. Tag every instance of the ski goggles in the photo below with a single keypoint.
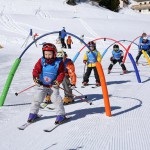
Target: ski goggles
[
  {"x": 91, "y": 45},
  {"x": 115, "y": 49}
]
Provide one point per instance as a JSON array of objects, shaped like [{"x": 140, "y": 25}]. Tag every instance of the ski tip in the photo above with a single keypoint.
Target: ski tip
[
  {"x": 46, "y": 130},
  {"x": 21, "y": 128}
]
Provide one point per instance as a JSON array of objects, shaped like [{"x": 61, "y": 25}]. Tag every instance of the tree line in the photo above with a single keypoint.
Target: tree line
[{"x": 112, "y": 5}]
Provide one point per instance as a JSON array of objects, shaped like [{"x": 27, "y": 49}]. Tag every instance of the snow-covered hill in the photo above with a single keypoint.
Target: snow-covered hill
[{"x": 89, "y": 128}]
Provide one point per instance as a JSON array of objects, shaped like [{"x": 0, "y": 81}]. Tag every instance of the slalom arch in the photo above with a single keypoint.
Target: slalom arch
[
  {"x": 144, "y": 53},
  {"x": 128, "y": 48},
  {"x": 130, "y": 57},
  {"x": 18, "y": 61},
  {"x": 127, "y": 52}
]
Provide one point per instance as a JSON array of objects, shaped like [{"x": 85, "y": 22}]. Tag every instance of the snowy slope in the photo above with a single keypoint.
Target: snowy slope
[{"x": 90, "y": 128}]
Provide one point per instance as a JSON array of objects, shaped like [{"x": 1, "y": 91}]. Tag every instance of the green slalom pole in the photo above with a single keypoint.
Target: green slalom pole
[{"x": 9, "y": 80}]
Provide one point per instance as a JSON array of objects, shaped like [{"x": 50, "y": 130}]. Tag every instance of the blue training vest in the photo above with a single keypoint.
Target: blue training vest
[
  {"x": 92, "y": 56},
  {"x": 145, "y": 46},
  {"x": 117, "y": 55},
  {"x": 49, "y": 71}
]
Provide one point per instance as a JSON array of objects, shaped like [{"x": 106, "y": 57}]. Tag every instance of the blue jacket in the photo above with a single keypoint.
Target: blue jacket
[
  {"x": 144, "y": 45},
  {"x": 63, "y": 34},
  {"x": 117, "y": 54}
]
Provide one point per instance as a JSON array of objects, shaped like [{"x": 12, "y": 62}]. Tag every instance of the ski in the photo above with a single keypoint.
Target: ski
[
  {"x": 43, "y": 105},
  {"x": 25, "y": 125},
  {"x": 50, "y": 108},
  {"x": 145, "y": 64},
  {"x": 95, "y": 86},
  {"x": 83, "y": 86},
  {"x": 22, "y": 127},
  {"x": 122, "y": 73},
  {"x": 54, "y": 126}
]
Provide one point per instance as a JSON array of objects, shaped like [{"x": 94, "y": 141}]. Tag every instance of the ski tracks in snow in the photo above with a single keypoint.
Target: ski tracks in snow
[
  {"x": 89, "y": 29},
  {"x": 10, "y": 25}
]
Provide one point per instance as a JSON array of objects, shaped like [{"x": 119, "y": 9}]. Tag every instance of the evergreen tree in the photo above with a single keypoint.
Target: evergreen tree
[
  {"x": 110, "y": 4},
  {"x": 71, "y": 2},
  {"x": 114, "y": 5}
]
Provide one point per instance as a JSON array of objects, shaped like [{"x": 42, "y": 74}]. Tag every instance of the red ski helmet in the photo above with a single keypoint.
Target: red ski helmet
[{"x": 49, "y": 47}]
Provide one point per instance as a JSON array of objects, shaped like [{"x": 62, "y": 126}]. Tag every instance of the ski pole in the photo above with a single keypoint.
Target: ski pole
[
  {"x": 24, "y": 90},
  {"x": 26, "y": 40},
  {"x": 90, "y": 102},
  {"x": 84, "y": 70},
  {"x": 81, "y": 93}
]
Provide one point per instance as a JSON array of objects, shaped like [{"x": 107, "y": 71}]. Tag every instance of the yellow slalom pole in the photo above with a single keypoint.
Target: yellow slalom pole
[{"x": 146, "y": 56}]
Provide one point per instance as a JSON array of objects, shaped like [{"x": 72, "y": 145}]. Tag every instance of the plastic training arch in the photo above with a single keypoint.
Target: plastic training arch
[
  {"x": 127, "y": 51},
  {"x": 18, "y": 60}
]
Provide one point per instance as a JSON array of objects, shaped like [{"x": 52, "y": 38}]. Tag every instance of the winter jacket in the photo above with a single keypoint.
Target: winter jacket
[
  {"x": 92, "y": 58},
  {"x": 144, "y": 45},
  {"x": 37, "y": 70},
  {"x": 63, "y": 34},
  {"x": 70, "y": 70},
  {"x": 117, "y": 54},
  {"x": 69, "y": 41}
]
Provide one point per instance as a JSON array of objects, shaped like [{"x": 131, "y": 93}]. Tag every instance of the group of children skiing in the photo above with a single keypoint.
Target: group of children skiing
[{"x": 55, "y": 68}]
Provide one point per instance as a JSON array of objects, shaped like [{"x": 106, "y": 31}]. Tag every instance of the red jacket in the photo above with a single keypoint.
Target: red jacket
[{"x": 38, "y": 69}]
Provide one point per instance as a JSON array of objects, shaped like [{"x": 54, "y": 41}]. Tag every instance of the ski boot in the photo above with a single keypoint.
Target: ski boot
[
  {"x": 67, "y": 100},
  {"x": 98, "y": 84},
  {"x": 84, "y": 83},
  {"x": 60, "y": 119},
  {"x": 32, "y": 117},
  {"x": 47, "y": 99}
]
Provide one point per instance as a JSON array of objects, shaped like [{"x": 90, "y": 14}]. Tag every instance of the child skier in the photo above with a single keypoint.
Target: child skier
[
  {"x": 90, "y": 58},
  {"x": 69, "y": 42},
  {"x": 144, "y": 45},
  {"x": 48, "y": 74},
  {"x": 117, "y": 56},
  {"x": 69, "y": 80}
]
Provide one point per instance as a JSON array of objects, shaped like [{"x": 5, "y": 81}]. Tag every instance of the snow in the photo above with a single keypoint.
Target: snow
[{"x": 89, "y": 128}]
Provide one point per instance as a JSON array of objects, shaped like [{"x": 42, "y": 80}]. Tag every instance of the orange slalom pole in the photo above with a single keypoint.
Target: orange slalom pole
[{"x": 104, "y": 89}]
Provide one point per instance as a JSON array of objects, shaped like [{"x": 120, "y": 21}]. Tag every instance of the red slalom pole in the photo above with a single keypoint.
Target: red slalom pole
[
  {"x": 88, "y": 101},
  {"x": 24, "y": 90}
]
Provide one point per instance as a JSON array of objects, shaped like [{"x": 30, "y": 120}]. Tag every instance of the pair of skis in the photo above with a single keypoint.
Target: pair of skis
[
  {"x": 93, "y": 86},
  {"x": 122, "y": 73},
  {"x": 48, "y": 129}
]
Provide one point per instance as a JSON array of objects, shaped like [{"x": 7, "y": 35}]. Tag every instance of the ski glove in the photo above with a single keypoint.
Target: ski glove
[
  {"x": 121, "y": 58},
  {"x": 56, "y": 84},
  {"x": 84, "y": 61},
  {"x": 72, "y": 86},
  {"x": 111, "y": 58},
  {"x": 37, "y": 81}
]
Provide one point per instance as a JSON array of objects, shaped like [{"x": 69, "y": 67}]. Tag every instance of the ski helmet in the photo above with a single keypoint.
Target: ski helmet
[
  {"x": 92, "y": 44},
  {"x": 116, "y": 47},
  {"x": 144, "y": 34},
  {"x": 61, "y": 54},
  {"x": 49, "y": 47}
]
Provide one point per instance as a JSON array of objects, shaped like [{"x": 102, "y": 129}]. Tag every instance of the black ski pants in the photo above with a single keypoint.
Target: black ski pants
[
  {"x": 114, "y": 61},
  {"x": 88, "y": 72}
]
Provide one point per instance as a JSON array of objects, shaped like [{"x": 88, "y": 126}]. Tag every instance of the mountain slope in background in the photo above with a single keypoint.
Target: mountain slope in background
[{"x": 89, "y": 128}]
